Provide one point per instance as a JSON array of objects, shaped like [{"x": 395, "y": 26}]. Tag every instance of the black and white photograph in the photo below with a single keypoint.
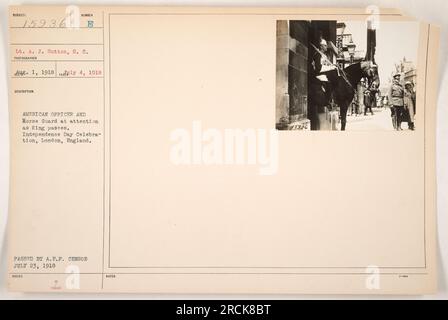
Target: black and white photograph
[{"x": 346, "y": 75}]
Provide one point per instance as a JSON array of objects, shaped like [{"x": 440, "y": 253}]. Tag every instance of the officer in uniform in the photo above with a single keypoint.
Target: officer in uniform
[{"x": 395, "y": 97}]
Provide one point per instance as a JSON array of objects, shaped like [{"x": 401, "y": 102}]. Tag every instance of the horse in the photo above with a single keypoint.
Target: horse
[{"x": 344, "y": 83}]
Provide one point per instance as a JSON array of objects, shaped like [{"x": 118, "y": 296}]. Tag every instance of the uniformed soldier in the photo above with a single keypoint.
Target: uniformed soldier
[
  {"x": 395, "y": 97},
  {"x": 319, "y": 86},
  {"x": 367, "y": 101}
]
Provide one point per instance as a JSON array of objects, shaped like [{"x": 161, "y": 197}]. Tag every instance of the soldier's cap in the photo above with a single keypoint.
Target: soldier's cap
[
  {"x": 408, "y": 83},
  {"x": 397, "y": 75}
]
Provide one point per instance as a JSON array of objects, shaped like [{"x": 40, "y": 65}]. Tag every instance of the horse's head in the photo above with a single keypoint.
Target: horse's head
[{"x": 370, "y": 71}]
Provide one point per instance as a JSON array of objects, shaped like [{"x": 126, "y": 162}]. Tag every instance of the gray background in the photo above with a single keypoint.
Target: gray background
[{"x": 433, "y": 11}]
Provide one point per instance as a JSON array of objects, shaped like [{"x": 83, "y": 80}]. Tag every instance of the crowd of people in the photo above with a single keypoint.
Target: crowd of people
[
  {"x": 400, "y": 99},
  {"x": 371, "y": 98}
]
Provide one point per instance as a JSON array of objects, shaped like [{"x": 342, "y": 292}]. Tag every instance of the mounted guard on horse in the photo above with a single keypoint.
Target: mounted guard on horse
[{"x": 329, "y": 82}]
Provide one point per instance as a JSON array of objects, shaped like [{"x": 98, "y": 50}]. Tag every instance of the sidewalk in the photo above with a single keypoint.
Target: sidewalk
[{"x": 381, "y": 120}]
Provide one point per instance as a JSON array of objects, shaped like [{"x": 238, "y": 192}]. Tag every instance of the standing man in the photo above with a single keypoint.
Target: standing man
[
  {"x": 374, "y": 94},
  {"x": 355, "y": 105},
  {"x": 395, "y": 97},
  {"x": 409, "y": 103},
  {"x": 368, "y": 101}
]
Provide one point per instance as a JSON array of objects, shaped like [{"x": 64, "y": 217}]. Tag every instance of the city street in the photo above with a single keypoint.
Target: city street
[{"x": 380, "y": 120}]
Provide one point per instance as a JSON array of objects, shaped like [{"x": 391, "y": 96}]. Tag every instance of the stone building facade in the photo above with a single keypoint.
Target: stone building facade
[
  {"x": 292, "y": 75},
  {"x": 294, "y": 39}
]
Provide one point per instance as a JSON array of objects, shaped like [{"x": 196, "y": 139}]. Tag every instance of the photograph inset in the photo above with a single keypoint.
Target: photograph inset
[{"x": 346, "y": 75}]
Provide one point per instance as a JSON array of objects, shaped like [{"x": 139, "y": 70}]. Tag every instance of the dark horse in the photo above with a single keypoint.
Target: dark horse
[{"x": 344, "y": 84}]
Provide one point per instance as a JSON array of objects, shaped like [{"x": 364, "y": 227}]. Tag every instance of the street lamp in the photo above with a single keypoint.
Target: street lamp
[{"x": 351, "y": 50}]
